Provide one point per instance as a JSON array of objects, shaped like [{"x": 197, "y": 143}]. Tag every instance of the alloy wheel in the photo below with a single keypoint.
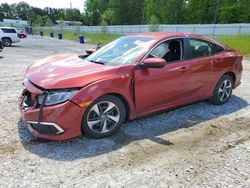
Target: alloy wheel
[
  {"x": 6, "y": 42},
  {"x": 103, "y": 117},
  {"x": 225, "y": 90}
]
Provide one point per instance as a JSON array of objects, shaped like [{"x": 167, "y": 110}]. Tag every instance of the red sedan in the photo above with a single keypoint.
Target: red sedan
[{"x": 67, "y": 95}]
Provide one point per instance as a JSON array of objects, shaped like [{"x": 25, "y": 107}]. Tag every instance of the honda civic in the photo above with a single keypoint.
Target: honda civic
[{"x": 69, "y": 95}]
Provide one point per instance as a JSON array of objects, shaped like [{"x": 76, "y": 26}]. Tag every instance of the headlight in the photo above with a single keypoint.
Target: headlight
[{"x": 56, "y": 97}]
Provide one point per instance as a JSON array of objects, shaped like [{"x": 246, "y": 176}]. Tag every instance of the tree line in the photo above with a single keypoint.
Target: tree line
[
  {"x": 126, "y": 12},
  {"x": 38, "y": 16},
  {"x": 114, "y": 12}
]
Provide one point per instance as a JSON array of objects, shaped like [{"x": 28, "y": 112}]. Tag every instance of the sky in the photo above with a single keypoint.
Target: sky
[{"x": 50, "y": 3}]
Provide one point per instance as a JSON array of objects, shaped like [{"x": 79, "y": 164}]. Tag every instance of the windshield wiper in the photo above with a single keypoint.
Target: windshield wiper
[{"x": 97, "y": 62}]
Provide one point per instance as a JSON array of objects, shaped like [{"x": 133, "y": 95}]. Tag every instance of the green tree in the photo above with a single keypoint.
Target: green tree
[
  {"x": 73, "y": 14},
  {"x": 108, "y": 17},
  {"x": 154, "y": 23},
  {"x": 23, "y": 10},
  {"x": 49, "y": 22},
  {"x": 235, "y": 11},
  {"x": 158, "y": 11},
  {"x": 202, "y": 11},
  {"x": 39, "y": 21},
  {"x": 121, "y": 12},
  {"x": 7, "y": 11},
  {"x": 94, "y": 9}
]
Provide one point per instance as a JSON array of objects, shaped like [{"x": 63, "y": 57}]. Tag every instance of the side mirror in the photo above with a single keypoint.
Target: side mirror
[{"x": 153, "y": 63}]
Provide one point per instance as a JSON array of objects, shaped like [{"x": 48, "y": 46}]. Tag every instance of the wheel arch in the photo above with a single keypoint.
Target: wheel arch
[
  {"x": 112, "y": 86},
  {"x": 214, "y": 99},
  {"x": 124, "y": 101},
  {"x": 113, "y": 95},
  {"x": 7, "y": 38},
  {"x": 232, "y": 74},
  {"x": 227, "y": 72}
]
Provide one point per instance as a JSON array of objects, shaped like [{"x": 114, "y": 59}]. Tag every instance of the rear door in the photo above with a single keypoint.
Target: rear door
[
  {"x": 14, "y": 36},
  {"x": 201, "y": 58}
]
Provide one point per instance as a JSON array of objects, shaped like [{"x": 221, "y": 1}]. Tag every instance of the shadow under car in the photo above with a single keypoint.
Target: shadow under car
[{"x": 147, "y": 128}]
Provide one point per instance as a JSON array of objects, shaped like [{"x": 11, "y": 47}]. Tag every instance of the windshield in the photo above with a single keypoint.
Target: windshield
[{"x": 122, "y": 51}]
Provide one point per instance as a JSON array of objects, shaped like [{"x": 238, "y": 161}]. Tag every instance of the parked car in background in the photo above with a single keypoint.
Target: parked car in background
[
  {"x": 1, "y": 45},
  {"x": 21, "y": 35},
  {"x": 68, "y": 95},
  {"x": 8, "y": 36}
]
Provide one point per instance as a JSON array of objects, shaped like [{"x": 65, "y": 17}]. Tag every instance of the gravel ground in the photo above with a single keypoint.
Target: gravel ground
[{"x": 199, "y": 145}]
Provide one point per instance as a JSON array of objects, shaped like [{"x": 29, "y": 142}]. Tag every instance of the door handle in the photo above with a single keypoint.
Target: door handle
[{"x": 184, "y": 68}]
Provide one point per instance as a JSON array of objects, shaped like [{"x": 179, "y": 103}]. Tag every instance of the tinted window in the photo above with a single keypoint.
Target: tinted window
[
  {"x": 7, "y": 30},
  {"x": 202, "y": 48},
  {"x": 217, "y": 49},
  {"x": 199, "y": 48},
  {"x": 169, "y": 50}
]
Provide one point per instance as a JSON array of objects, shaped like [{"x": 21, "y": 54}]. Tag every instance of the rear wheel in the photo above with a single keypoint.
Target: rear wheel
[
  {"x": 6, "y": 42},
  {"x": 223, "y": 90},
  {"x": 104, "y": 117}
]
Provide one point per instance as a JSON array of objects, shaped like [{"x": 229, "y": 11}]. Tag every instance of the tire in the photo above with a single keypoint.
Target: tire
[
  {"x": 99, "y": 121},
  {"x": 6, "y": 42},
  {"x": 223, "y": 90}
]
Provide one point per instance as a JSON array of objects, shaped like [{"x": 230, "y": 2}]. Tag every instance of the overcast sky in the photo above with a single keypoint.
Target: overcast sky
[{"x": 50, "y": 3}]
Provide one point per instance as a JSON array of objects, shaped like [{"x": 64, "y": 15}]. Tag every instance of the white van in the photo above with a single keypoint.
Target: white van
[{"x": 8, "y": 35}]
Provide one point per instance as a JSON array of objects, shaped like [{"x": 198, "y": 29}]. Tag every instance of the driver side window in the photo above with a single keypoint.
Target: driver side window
[{"x": 169, "y": 50}]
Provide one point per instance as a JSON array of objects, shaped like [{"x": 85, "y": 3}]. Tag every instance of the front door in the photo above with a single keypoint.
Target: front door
[{"x": 163, "y": 87}]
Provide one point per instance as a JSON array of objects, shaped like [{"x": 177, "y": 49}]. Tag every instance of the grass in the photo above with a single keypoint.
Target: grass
[
  {"x": 239, "y": 42},
  {"x": 95, "y": 38}
]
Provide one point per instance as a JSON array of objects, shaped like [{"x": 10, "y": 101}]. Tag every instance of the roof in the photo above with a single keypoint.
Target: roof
[
  {"x": 165, "y": 35},
  {"x": 4, "y": 27},
  {"x": 162, "y": 35}
]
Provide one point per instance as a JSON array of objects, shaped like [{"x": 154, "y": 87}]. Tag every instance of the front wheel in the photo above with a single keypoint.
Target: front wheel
[
  {"x": 104, "y": 117},
  {"x": 223, "y": 90}
]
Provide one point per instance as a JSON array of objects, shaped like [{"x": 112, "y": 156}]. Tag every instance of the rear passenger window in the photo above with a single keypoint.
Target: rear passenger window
[
  {"x": 217, "y": 49},
  {"x": 200, "y": 48},
  {"x": 7, "y": 30}
]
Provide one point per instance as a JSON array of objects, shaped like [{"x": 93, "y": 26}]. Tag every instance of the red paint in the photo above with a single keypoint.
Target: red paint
[
  {"x": 21, "y": 35},
  {"x": 145, "y": 90}
]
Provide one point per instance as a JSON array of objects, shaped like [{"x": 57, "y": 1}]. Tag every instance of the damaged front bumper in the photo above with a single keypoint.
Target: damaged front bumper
[{"x": 57, "y": 122}]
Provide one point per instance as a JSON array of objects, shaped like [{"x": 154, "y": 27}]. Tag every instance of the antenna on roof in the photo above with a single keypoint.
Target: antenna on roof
[{"x": 70, "y": 5}]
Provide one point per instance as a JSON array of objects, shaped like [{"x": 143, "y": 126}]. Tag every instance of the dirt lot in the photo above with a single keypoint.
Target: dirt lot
[{"x": 199, "y": 145}]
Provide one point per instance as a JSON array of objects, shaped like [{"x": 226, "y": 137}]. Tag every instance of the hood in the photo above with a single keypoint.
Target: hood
[{"x": 67, "y": 71}]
